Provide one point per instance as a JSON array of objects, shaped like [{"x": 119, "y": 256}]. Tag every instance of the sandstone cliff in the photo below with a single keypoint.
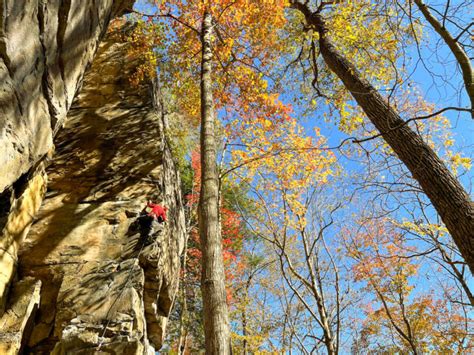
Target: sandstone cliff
[
  {"x": 87, "y": 281},
  {"x": 45, "y": 47}
]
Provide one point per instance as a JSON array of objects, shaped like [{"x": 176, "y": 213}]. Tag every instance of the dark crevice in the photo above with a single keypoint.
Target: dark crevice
[
  {"x": 4, "y": 56},
  {"x": 91, "y": 17},
  {"x": 20, "y": 185},
  {"x": 45, "y": 80},
  {"x": 63, "y": 15},
  {"x": 5, "y": 206}
]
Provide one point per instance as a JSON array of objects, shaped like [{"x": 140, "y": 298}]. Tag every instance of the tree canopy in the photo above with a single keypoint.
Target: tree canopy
[{"x": 331, "y": 179}]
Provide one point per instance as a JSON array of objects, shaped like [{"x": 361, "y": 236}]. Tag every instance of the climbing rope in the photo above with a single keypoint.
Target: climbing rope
[{"x": 102, "y": 337}]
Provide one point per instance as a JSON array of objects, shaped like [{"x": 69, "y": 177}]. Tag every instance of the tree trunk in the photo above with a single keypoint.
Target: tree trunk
[
  {"x": 445, "y": 192},
  {"x": 183, "y": 322},
  {"x": 244, "y": 316},
  {"x": 216, "y": 319},
  {"x": 244, "y": 330}
]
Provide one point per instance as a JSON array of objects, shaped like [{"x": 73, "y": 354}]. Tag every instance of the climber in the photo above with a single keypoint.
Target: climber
[
  {"x": 151, "y": 223},
  {"x": 157, "y": 211}
]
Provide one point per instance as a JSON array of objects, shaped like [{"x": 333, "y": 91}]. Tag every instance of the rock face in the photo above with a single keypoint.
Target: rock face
[
  {"x": 45, "y": 47},
  {"x": 96, "y": 282},
  {"x": 17, "y": 211}
]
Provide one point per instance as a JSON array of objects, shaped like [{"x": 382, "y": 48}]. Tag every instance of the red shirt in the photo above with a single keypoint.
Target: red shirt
[{"x": 157, "y": 211}]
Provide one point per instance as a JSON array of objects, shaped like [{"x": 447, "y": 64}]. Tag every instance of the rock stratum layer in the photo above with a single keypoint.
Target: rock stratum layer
[{"x": 88, "y": 280}]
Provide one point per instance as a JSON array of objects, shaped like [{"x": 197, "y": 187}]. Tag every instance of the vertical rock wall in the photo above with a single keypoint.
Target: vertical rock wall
[
  {"x": 89, "y": 282},
  {"x": 45, "y": 47}
]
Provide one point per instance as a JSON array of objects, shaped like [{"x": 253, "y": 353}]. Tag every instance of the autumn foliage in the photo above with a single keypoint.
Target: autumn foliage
[{"x": 337, "y": 221}]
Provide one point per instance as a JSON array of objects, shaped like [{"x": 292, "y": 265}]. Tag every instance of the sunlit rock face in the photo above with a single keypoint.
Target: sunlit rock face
[
  {"x": 45, "y": 47},
  {"x": 97, "y": 284},
  {"x": 19, "y": 206}
]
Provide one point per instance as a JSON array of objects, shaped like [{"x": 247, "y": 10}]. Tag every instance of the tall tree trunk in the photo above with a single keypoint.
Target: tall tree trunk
[
  {"x": 244, "y": 315},
  {"x": 216, "y": 319},
  {"x": 457, "y": 50},
  {"x": 244, "y": 330},
  {"x": 445, "y": 192},
  {"x": 183, "y": 322}
]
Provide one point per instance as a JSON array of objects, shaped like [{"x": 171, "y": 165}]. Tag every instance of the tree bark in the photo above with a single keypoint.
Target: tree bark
[
  {"x": 446, "y": 193},
  {"x": 183, "y": 321},
  {"x": 456, "y": 49},
  {"x": 244, "y": 330},
  {"x": 216, "y": 319}
]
